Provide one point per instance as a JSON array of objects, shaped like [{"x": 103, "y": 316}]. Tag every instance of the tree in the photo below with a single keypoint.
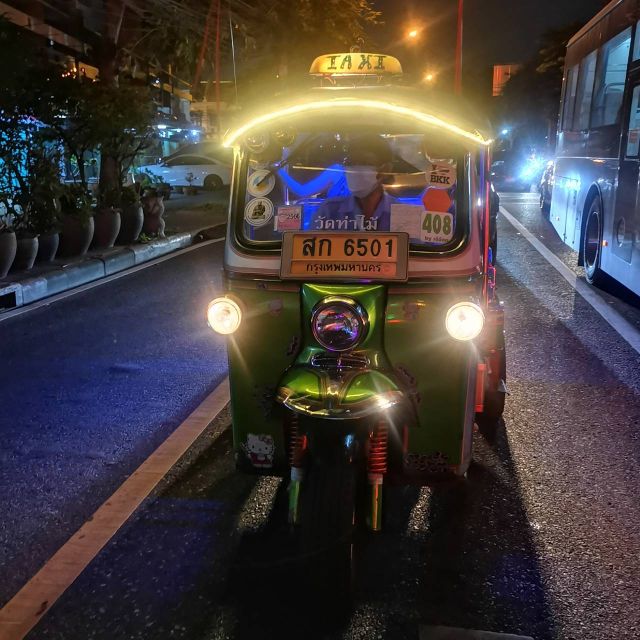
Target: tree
[{"x": 531, "y": 98}]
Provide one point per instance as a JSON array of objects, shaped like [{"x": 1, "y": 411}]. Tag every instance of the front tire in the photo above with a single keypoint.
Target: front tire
[
  {"x": 327, "y": 515},
  {"x": 592, "y": 244}
]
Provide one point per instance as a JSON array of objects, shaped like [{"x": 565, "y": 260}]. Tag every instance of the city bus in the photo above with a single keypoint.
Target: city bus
[{"x": 595, "y": 205}]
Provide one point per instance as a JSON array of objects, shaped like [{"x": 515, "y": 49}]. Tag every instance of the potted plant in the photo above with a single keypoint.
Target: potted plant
[
  {"x": 132, "y": 215},
  {"x": 77, "y": 222},
  {"x": 43, "y": 204},
  {"x": 7, "y": 243},
  {"x": 153, "y": 206},
  {"x": 107, "y": 218},
  {"x": 147, "y": 179},
  {"x": 27, "y": 239}
]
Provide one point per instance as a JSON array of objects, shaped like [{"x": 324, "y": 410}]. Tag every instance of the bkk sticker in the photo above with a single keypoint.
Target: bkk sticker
[
  {"x": 442, "y": 175},
  {"x": 288, "y": 218},
  {"x": 259, "y": 448},
  {"x": 258, "y": 212},
  {"x": 261, "y": 183}
]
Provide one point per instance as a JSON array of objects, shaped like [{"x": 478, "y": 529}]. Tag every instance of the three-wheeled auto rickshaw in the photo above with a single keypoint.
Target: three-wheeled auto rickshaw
[{"x": 365, "y": 338}]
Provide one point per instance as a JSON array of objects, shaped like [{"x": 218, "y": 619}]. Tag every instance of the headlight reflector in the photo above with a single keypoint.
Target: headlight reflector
[
  {"x": 224, "y": 315},
  {"x": 464, "y": 321},
  {"x": 338, "y": 324}
]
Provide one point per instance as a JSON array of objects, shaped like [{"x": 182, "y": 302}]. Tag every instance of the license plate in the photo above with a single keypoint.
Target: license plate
[{"x": 344, "y": 256}]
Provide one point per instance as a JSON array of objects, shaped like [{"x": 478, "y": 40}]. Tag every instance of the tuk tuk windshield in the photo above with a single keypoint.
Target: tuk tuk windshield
[{"x": 332, "y": 181}]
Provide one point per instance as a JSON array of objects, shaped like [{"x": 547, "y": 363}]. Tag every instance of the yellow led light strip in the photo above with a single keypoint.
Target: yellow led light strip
[{"x": 233, "y": 137}]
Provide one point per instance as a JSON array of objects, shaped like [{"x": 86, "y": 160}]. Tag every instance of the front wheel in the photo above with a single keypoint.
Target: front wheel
[
  {"x": 592, "y": 244},
  {"x": 327, "y": 514}
]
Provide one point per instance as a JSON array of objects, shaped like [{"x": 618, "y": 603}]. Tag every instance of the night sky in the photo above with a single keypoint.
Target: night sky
[{"x": 495, "y": 31}]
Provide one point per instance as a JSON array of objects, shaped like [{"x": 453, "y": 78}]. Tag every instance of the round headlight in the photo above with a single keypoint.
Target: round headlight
[
  {"x": 224, "y": 315},
  {"x": 464, "y": 321},
  {"x": 338, "y": 324}
]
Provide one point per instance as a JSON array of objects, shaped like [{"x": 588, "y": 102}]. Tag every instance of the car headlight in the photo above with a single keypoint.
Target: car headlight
[
  {"x": 464, "y": 321},
  {"x": 339, "y": 324},
  {"x": 224, "y": 315}
]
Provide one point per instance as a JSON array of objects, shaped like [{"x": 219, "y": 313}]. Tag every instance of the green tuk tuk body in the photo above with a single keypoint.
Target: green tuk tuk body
[{"x": 405, "y": 388}]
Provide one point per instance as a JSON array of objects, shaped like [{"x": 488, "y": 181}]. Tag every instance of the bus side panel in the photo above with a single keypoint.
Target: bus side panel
[
  {"x": 440, "y": 374},
  {"x": 574, "y": 179},
  {"x": 263, "y": 347}
]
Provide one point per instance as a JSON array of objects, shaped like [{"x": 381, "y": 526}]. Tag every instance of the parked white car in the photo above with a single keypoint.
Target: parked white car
[{"x": 190, "y": 170}]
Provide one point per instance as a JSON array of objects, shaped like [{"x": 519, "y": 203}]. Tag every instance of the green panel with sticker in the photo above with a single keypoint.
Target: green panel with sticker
[
  {"x": 439, "y": 371},
  {"x": 264, "y": 346}
]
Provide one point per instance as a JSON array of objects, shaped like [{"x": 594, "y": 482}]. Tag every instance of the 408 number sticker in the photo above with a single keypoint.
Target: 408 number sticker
[{"x": 436, "y": 228}]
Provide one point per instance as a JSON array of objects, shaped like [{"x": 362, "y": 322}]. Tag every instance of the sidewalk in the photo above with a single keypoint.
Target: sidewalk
[{"x": 184, "y": 226}]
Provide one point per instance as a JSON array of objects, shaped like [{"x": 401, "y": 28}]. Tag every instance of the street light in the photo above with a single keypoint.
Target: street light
[{"x": 413, "y": 34}]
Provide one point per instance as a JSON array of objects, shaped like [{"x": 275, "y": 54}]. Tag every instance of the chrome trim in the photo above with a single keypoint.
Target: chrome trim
[
  {"x": 340, "y": 360},
  {"x": 328, "y": 409}
]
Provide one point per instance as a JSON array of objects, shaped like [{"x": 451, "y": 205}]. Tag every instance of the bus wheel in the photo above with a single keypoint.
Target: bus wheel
[{"x": 592, "y": 244}]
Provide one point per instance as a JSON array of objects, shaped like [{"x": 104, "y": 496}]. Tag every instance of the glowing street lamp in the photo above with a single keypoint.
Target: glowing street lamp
[{"x": 413, "y": 34}]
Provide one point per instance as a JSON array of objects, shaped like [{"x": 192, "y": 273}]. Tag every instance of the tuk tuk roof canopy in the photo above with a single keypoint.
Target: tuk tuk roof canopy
[
  {"x": 405, "y": 103},
  {"x": 355, "y": 64}
]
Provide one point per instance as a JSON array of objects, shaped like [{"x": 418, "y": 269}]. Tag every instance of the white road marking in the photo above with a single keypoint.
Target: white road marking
[
  {"x": 5, "y": 315},
  {"x": 40, "y": 593},
  {"x": 617, "y": 322}
]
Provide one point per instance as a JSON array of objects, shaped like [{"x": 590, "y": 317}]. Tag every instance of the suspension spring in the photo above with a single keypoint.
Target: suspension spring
[
  {"x": 296, "y": 441},
  {"x": 378, "y": 439}
]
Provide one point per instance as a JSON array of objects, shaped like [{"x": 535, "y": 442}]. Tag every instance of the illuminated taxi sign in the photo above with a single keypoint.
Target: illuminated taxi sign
[{"x": 355, "y": 64}]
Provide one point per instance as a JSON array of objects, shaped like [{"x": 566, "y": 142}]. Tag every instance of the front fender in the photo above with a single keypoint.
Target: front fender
[{"x": 338, "y": 395}]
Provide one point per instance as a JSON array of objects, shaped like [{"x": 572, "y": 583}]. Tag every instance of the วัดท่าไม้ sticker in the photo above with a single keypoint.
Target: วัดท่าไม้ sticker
[
  {"x": 261, "y": 183},
  {"x": 258, "y": 212},
  {"x": 441, "y": 175},
  {"x": 288, "y": 218}
]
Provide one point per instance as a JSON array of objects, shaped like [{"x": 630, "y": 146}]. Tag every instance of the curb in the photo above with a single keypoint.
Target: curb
[{"x": 22, "y": 292}]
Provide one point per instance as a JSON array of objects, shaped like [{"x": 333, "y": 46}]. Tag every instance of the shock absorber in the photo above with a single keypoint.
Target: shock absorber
[
  {"x": 297, "y": 443},
  {"x": 376, "y": 468}
]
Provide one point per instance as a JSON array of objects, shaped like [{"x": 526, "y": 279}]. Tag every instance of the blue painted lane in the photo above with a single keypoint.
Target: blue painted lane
[{"x": 90, "y": 386}]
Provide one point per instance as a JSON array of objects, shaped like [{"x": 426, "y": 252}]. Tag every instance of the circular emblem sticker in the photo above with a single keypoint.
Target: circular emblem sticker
[
  {"x": 258, "y": 212},
  {"x": 260, "y": 183}
]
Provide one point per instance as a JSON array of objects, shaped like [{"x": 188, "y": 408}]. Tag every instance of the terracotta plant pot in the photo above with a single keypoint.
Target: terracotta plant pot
[
  {"x": 27, "y": 250},
  {"x": 153, "y": 211},
  {"x": 47, "y": 247},
  {"x": 131, "y": 221},
  {"x": 8, "y": 247},
  {"x": 76, "y": 236},
  {"x": 107, "y": 228}
]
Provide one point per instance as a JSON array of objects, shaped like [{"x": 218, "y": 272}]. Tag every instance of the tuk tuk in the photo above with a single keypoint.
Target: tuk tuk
[{"x": 365, "y": 337}]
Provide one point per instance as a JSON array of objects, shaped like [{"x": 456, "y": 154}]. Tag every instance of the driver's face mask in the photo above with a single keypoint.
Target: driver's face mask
[{"x": 362, "y": 179}]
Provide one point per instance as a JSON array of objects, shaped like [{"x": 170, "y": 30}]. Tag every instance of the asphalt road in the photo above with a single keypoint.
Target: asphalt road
[
  {"x": 540, "y": 540},
  {"x": 91, "y": 385}
]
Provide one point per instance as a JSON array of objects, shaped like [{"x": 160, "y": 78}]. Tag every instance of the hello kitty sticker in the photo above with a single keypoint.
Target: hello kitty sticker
[{"x": 259, "y": 448}]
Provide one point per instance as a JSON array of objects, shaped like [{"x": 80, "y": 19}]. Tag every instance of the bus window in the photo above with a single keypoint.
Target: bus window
[
  {"x": 636, "y": 43},
  {"x": 569, "y": 98},
  {"x": 585, "y": 92},
  {"x": 609, "y": 88},
  {"x": 633, "y": 138}
]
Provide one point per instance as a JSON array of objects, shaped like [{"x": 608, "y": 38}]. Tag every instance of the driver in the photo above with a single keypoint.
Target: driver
[{"x": 368, "y": 207}]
